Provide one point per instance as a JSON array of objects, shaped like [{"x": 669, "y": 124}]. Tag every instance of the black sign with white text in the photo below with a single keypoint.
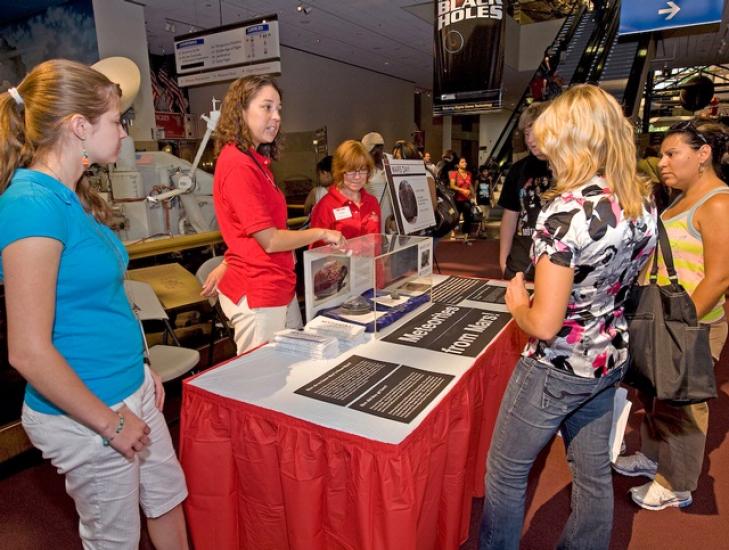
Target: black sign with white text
[
  {"x": 403, "y": 394},
  {"x": 383, "y": 389},
  {"x": 455, "y": 330},
  {"x": 347, "y": 381},
  {"x": 469, "y": 55}
]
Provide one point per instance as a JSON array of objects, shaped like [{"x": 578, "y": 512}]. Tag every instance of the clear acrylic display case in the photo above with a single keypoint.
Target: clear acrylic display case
[{"x": 373, "y": 280}]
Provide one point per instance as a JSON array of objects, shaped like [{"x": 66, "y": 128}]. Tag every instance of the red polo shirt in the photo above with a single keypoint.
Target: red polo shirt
[
  {"x": 336, "y": 211},
  {"x": 247, "y": 200}
]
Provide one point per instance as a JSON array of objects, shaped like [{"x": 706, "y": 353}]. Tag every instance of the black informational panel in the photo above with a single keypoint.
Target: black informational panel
[
  {"x": 410, "y": 192},
  {"x": 469, "y": 42},
  {"x": 383, "y": 389},
  {"x": 455, "y": 330}
]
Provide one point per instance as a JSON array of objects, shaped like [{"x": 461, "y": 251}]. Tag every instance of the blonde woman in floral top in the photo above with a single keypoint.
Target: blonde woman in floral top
[{"x": 591, "y": 240}]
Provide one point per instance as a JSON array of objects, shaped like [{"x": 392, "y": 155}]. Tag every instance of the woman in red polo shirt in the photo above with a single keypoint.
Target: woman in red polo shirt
[
  {"x": 256, "y": 281},
  {"x": 347, "y": 207}
]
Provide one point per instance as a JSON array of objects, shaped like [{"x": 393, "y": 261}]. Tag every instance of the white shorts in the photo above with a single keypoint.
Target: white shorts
[
  {"x": 108, "y": 489},
  {"x": 253, "y": 327}
]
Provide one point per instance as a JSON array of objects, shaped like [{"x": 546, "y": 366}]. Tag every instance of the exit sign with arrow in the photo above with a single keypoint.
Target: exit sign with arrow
[{"x": 655, "y": 15}]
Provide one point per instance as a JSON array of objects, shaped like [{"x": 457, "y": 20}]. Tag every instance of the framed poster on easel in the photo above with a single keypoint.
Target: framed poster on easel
[{"x": 410, "y": 192}]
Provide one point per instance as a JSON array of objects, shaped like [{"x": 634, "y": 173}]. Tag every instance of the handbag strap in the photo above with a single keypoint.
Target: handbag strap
[{"x": 664, "y": 246}]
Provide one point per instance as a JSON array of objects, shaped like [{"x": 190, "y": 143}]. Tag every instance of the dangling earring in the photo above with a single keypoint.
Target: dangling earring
[
  {"x": 701, "y": 169},
  {"x": 84, "y": 157}
]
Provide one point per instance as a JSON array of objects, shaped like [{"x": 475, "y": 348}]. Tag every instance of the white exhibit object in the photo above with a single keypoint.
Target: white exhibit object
[
  {"x": 145, "y": 184},
  {"x": 124, "y": 72},
  {"x": 185, "y": 183},
  {"x": 127, "y": 185}
]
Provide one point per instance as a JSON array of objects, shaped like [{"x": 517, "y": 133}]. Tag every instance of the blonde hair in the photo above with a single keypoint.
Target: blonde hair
[
  {"x": 51, "y": 94},
  {"x": 232, "y": 127},
  {"x": 531, "y": 113},
  {"x": 584, "y": 133},
  {"x": 350, "y": 155}
]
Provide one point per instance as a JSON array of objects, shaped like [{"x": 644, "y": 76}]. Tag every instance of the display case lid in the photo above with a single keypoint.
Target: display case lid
[{"x": 372, "y": 245}]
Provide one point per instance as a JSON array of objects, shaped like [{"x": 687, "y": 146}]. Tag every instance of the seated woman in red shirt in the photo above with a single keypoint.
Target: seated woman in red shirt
[
  {"x": 347, "y": 207},
  {"x": 256, "y": 282}
]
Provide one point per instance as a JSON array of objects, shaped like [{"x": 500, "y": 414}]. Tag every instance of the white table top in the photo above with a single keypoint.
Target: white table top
[{"x": 268, "y": 378}]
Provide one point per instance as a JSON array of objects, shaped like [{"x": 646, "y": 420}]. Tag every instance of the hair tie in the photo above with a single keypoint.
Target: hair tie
[{"x": 15, "y": 94}]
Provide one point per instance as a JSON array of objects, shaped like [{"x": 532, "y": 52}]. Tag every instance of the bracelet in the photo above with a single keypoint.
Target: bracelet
[{"x": 119, "y": 427}]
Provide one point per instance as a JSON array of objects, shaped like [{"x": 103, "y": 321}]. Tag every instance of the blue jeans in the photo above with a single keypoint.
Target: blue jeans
[{"x": 539, "y": 401}]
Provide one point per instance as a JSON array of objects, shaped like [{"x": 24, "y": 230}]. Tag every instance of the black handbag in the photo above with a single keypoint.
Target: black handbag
[
  {"x": 447, "y": 215},
  {"x": 670, "y": 357},
  {"x": 475, "y": 212}
]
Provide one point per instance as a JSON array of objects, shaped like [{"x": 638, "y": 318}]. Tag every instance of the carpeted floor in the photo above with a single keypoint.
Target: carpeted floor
[{"x": 35, "y": 512}]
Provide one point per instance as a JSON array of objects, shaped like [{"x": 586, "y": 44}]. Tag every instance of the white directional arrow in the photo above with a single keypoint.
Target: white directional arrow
[{"x": 670, "y": 11}]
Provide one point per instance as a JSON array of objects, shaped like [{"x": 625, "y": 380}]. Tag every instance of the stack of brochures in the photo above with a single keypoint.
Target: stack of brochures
[
  {"x": 306, "y": 344},
  {"x": 348, "y": 334}
]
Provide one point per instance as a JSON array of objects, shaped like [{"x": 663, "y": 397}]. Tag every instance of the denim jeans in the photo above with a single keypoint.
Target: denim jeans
[{"x": 539, "y": 401}]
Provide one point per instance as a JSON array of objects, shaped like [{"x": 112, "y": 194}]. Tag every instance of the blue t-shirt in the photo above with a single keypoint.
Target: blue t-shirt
[{"x": 94, "y": 328}]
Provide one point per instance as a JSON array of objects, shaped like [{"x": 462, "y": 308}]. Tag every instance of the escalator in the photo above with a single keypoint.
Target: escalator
[
  {"x": 617, "y": 64},
  {"x": 625, "y": 71},
  {"x": 592, "y": 53},
  {"x": 575, "y": 27}
]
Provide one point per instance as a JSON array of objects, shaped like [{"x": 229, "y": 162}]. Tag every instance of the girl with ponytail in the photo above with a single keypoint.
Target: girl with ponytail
[{"x": 91, "y": 405}]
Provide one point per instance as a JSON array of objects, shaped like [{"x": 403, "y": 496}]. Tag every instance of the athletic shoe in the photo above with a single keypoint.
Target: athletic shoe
[
  {"x": 635, "y": 465},
  {"x": 654, "y": 496}
]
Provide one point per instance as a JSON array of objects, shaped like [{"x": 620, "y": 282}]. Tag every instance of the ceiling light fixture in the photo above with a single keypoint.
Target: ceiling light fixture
[{"x": 301, "y": 8}]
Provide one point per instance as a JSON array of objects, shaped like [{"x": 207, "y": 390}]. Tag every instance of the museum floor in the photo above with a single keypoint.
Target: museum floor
[{"x": 35, "y": 512}]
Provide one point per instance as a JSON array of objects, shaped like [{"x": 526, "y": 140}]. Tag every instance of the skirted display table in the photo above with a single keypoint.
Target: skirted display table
[{"x": 268, "y": 468}]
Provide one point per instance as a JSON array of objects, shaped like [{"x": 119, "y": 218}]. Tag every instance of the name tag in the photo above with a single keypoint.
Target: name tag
[{"x": 343, "y": 213}]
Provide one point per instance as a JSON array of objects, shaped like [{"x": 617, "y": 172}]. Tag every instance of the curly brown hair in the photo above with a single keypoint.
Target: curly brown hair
[{"x": 232, "y": 127}]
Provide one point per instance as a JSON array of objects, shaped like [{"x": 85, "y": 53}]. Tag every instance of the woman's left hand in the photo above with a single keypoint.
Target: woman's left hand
[
  {"x": 210, "y": 286},
  {"x": 159, "y": 390},
  {"x": 516, "y": 293}
]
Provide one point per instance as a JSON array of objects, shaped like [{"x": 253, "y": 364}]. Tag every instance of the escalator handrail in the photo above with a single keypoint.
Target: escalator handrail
[
  {"x": 608, "y": 42},
  {"x": 497, "y": 151},
  {"x": 609, "y": 15}
]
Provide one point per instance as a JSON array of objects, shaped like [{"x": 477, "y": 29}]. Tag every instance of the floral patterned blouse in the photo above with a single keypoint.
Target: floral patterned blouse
[{"x": 585, "y": 229}]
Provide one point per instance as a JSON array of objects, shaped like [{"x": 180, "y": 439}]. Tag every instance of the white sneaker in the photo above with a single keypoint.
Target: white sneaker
[
  {"x": 654, "y": 496},
  {"x": 635, "y": 465}
]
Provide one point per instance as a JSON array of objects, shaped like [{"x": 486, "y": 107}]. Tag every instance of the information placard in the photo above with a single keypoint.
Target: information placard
[
  {"x": 455, "y": 330},
  {"x": 225, "y": 53},
  {"x": 410, "y": 192},
  {"x": 347, "y": 381},
  {"x": 383, "y": 389},
  {"x": 403, "y": 394}
]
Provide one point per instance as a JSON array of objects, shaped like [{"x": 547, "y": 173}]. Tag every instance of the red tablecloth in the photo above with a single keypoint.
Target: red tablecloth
[{"x": 259, "y": 479}]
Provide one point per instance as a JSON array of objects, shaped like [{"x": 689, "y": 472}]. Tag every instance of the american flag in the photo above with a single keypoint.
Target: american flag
[
  {"x": 170, "y": 85},
  {"x": 156, "y": 90}
]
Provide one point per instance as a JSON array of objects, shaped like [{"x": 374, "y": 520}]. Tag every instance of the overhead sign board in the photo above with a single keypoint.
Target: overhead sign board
[
  {"x": 638, "y": 16},
  {"x": 228, "y": 52}
]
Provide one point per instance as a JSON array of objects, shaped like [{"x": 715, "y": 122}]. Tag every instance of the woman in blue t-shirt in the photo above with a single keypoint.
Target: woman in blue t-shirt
[
  {"x": 593, "y": 235},
  {"x": 91, "y": 406}
]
